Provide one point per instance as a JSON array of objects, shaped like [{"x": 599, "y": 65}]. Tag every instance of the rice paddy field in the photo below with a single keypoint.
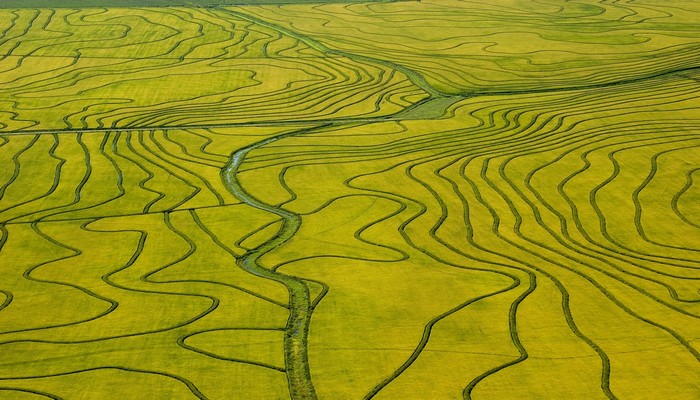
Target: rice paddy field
[{"x": 437, "y": 199}]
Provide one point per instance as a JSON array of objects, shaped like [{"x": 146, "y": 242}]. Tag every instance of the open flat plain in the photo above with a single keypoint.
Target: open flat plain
[{"x": 435, "y": 199}]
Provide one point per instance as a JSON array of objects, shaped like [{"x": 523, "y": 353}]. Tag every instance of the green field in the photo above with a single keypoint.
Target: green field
[
  {"x": 19, "y": 4},
  {"x": 440, "y": 199}
]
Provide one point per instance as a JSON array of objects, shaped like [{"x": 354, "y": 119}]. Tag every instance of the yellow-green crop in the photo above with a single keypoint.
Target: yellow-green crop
[{"x": 384, "y": 200}]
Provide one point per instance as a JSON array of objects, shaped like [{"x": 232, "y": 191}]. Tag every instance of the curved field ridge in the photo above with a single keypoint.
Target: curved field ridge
[
  {"x": 401, "y": 200},
  {"x": 574, "y": 264},
  {"x": 472, "y": 47},
  {"x": 176, "y": 67}
]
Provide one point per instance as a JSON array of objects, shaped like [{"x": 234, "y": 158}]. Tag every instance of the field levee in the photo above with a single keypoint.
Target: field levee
[{"x": 434, "y": 199}]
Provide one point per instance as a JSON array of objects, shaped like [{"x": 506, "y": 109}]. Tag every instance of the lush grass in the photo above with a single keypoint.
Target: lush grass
[
  {"x": 522, "y": 187},
  {"x": 509, "y": 46},
  {"x": 177, "y": 67},
  {"x": 416, "y": 200},
  {"x": 32, "y": 4}
]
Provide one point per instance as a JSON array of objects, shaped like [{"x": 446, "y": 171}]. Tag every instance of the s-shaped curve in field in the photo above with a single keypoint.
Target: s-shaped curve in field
[
  {"x": 296, "y": 332},
  {"x": 300, "y": 310}
]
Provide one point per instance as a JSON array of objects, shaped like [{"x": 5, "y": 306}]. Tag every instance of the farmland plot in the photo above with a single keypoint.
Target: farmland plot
[{"x": 436, "y": 199}]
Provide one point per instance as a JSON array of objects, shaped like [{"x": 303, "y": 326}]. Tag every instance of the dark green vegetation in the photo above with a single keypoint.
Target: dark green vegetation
[{"x": 408, "y": 200}]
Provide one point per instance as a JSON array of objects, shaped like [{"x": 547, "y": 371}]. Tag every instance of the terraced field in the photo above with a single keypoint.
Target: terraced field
[{"x": 403, "y": 200}]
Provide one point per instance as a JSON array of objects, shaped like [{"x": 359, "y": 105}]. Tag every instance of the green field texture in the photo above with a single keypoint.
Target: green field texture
[
  {"x": 474, "y": 47},
  {"x": 118, "y": 68},
  {"x": 33, "y": 4},
  {"x": 400, "y": 200}
]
